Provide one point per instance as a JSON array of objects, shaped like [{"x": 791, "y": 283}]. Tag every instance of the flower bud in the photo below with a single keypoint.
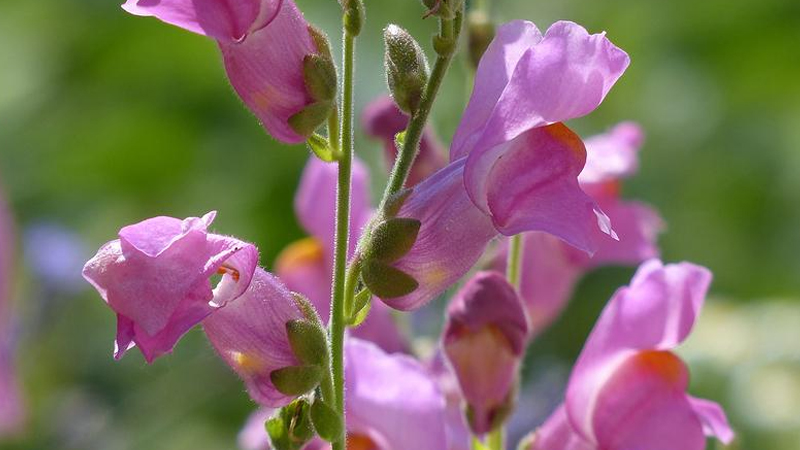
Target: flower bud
[
  {"x": 484, "y": 339},
  {"x": 291, "y": 428},
  {"x": 406, "y": 68},
  {"x": 353, "y": 16},
  {"x": 480, "y": 32}
]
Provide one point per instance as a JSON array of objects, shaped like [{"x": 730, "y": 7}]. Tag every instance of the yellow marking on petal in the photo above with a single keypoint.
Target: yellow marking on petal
[
  {"x": 664, "y": 364},
  {"x": 246, "y": 363},
  {"x": 433, "y": 275},
  {"x": 560, "y": 132},
  {"x": 300, "y": 253}
]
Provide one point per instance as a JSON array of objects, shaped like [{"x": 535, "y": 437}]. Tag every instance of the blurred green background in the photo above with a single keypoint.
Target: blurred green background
[{"x": 106, "y": 119}]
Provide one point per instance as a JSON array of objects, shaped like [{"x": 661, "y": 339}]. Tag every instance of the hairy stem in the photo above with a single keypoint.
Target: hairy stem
[{"x": 337, "y": 319}]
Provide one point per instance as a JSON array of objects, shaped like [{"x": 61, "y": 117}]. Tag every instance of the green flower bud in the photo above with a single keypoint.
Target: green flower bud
[
  {"x": 406, "y": 68},
  {"x": 353, "y": 16},
  {"x": 291, "y": 428},
  {"x": 480, "y": 34}
]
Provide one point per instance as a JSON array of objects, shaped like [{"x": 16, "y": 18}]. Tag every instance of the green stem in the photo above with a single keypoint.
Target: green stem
[
  {"x": 514, "y": 264},
  {"x": 496, "y": 439},
  {"x": 337, "y": 319},
  {"x": 448, "y": 29}
]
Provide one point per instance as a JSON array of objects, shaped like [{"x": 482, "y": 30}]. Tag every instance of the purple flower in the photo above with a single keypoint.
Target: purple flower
[
  {"x": 306, "y": 265},
  {"x": 156, "y": 278},
  {"x": 250, "y": 334},
  {"x": 514, "y": 166},
  {"x": 263, "y": 43},
  {"x": 628, "y": 389},
  {"x": 382, "y": 119},
  {"x": 522, "y": 163},
  {"x": 551, "y": 268},
  {"x": 12, "y": 413},
  {"x": 392, "y": 403},
  {"x": 484, "y": 339}
]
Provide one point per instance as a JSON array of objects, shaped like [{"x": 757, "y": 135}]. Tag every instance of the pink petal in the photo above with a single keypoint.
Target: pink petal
[
  {"x": 715, "y": 423},
  {"x": 637, "y": 226},
  {"x": 530, "y": 184},
  {"x": 225, "y": 20},
  {"x": 613, "y": 155},
  {"x": 156, "y": 278},
  {"x": 562, "y": 76},
  {"x": 656, "y": 312},
  {"x": 512, "y": 40},
  {"x": 315, "y": 201},
  {"x": 644, "y": 406},
  {"x": 266, "y": 70},
  {"x": 557, "y": 434},
  {"x": 392, "y": 400},
  {"x": 253, "y": 435},
  {"x": 453, "y": 235},
  {"x": 250, "y": 335}
]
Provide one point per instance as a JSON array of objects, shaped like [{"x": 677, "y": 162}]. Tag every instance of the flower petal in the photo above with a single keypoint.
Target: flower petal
[
  {"x": 715, "y": 423},
  {"x": 315, "y": 202},
  {"x": 557, "y": 434},
  {"x": 220, "y": 19},
  {"x": 512, "y": 40},
  {"x": 266, "y": 70},
  {"x": 392, "y": 399},
  {"x": 250, "y": 335},
  {"x": 565, "y": 75},
  {"x": 656, "y": 312},
  {"x": 612, "y": 155},
  {"x": 453, "y": 235},
  {"x": 530, "y": 184}
]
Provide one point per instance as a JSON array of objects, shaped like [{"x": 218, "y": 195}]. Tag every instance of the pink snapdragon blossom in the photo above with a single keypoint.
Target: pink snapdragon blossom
[
  {"x": 628, "y": 389},
  {"x": 484, "y": 340},
  {"x": 514, "y": 166},
  {"x": 250, "y": 334},
  {"x": 392, "y": 403},
  {"x": 522, "y": 163},
  {"x": 156, "y": 278},
  {"x": 306, "y": 265},
  {"x": 11, "y": 408},
  {"x": 382, "y": 119},
  {"x": 263, "y": 43},
  {"x": 551, "y": 268}
]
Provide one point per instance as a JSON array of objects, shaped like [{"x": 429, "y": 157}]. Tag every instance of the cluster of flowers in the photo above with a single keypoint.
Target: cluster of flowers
[{"x": 514, "y": 168}]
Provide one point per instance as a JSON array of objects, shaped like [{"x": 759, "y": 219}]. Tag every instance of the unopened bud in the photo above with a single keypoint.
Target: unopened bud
[
  {"x": 484, "y": 339},
  {"x": 480, "y": 34},
  {"x": 291, "y": 428},
  {"x": 406, "y": 68},
  {"x": 353, "y": 16}
]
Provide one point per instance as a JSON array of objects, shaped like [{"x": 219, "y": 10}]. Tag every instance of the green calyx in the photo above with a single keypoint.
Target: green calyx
[
  {"x": 291, "y": 428},
  {"x": 327, "y": 422}
]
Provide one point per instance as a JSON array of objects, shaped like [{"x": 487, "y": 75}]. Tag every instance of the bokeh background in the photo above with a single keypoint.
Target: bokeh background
[{"x": 106, "y": 119}]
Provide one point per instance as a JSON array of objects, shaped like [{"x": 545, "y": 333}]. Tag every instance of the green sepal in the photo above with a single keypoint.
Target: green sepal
[
  {"x": 361, "y": 308},
  {"x": 321, "y": 147},
  {"x": 308, "y": 342},
  {"x": 392, "y": 239},
  {"x": 319, "y": 75},
  {"x": 297, "y": 380},
  {"x": 327, "y": 422},
  {"x": 386, "y": 281},
  {"x": 444, "y": 46},
  {"x": 310, "y": 118},
  {"x": 321, "y": 41},
  {"x": 306, "y": 308},
  {"x": 396, "y": 201},
  {"x": 291, "y": 427}
]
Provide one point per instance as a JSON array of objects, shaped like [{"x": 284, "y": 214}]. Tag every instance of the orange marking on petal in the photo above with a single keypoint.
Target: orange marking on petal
[
  {"x": 230, "y": 271},
  {"x": 299, "y": 253},
  {"x": 562, "y": 133},
  {"x": 664, "y": 364},
  {"x": 360, "y": 442}
]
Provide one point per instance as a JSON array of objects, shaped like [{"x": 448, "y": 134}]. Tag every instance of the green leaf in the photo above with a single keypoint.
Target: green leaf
[
  {"x": 327, "y": 422},
  {"x": 308, "y": 342},
  {"x": 392, "y": 239},
  {"x": 296, "y": 380},
  {"x": 321, "y": 147},
  {"x": 386, "y": 281}
]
